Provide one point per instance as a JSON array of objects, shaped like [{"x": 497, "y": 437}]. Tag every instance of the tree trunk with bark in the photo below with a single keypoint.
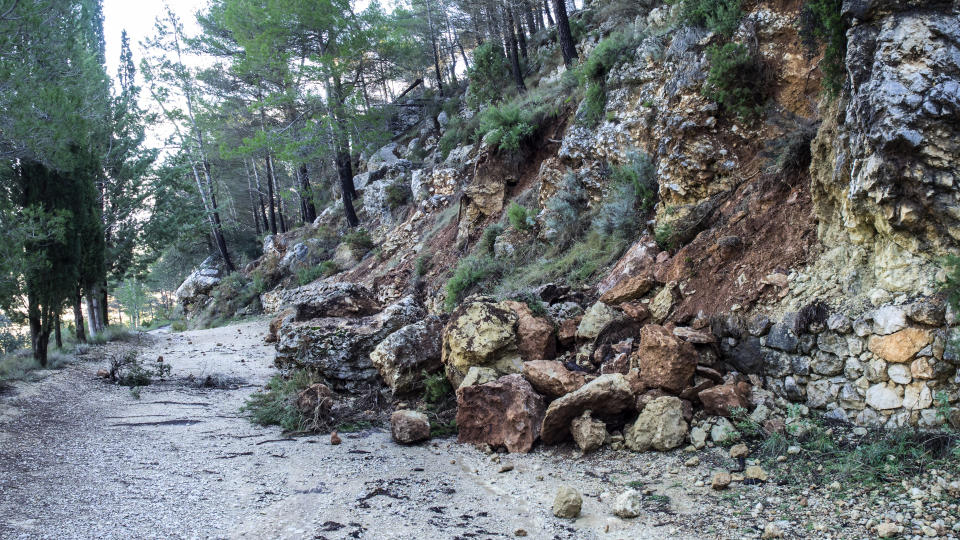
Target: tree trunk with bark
[
  {"x": 78, "y": 317},
  {"x": 567, "y": 46},
  {"x": 514, "y": 56}
]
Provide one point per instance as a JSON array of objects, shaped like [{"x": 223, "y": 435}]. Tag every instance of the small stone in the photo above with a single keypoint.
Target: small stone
[
  {"x": 755, "y": 472},
  {"x": 720, "y": 481},
  {"x": 335, "y": 438},
  {"x": 698, "y": 437},
  {"x": 506, "y": 467},
  {"x": 772, "y": 531},
  {"x": 520, "y": 532},
  {"x": 738, "y": 451},
  {"x": 793, "y": 450},
  {"x": 888, "y": 530},
  {"x": 629, "y": 504},
  {"x": 692, "y": 462},
  {"x": 567, "y": 503},
  {"x": 408, "y": 427}
]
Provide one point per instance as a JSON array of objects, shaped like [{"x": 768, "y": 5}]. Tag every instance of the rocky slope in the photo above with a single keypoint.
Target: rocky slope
[{"x": 812, "y": 286}]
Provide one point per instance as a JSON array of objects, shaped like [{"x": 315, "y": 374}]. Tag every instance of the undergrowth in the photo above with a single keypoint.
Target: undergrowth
[
  {"x": 822, "y": 25},
  {"x": 275, "y": 405}
]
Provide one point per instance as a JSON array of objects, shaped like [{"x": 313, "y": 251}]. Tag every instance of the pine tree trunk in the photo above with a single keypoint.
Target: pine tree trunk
[
  {"x": 270, "y": 199},
  {"x": 433, "y": 44},
  {"x": 521, "y": 37},
  {"x": 58, "y": 336},
  {"x": 37, "y": 342},
  {"x": 253, "y": 202},
  {"x": 91, "y": 315},
  {"x": 546, "y": 11},
  {"x": 567, "y": 46},
  {"x": 104, "y": 318},
  {"x": 514, "y": 57},
  {"x": 306, "y": 191},
  {"x": 78, "y": 317},
  {"x": 529, "y": 17}
]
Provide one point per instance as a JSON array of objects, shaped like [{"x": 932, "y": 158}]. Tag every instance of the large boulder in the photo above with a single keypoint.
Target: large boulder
[
  {"x": 408, "y": 427},
  {"x": 607, "y": 394},
  {"x": 720, "y": 400},
  {"x": 660, "y": 426},
  {"x": 536, "y": 336},
  {"x": 551, "y": 378},
  {"x": 629, "y": 274},
  {"x": 480, "y": 333},
  {"x": 322, "y": 299},
  {"x": 900, "y": 346},
  {"x": 506, "y": 412},
  {"x": 338, "y": 348},
  {"x": 404, "y": 355},
  {"x": 664, "y": 361},
  {"x": 199, "y": 283}
]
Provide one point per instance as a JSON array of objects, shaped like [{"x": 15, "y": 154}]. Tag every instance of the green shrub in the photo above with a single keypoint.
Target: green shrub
[
  {"x": 604, "y": 57},
  {"x": 735, "y": 81},
  {"x": 822, "y": 23},
  {"x": 178, "y": 326},
  {"x": 17, "y": 366},
  {"x": 631, "y": 196},
  {"x": 422, "y": 266},
  {"x": 520, "y": 218},
  {"x": 562, "y": 218},
  {"x": 470, "y": 272},
  {"x": 275, "y": 405},
  {"x": 489, "y": 76},
  {"x": 489, "y": 238},
  {"x": 359, "y": 240},
  {"x": 436, "y": 387},
  {"x": 720, "y": 16},
  {"x": 398, "y": 194},
  {"x": 505, "y": 127},
  {"x": 663, "y": 234},
  {"x": 126, "y": 369}
]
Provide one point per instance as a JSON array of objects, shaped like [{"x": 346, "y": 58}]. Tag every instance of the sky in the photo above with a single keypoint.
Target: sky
[{"x": 137, "y": 18}]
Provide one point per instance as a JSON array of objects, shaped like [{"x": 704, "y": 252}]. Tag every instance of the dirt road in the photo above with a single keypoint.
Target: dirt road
[{"x": 81, "y": 458}]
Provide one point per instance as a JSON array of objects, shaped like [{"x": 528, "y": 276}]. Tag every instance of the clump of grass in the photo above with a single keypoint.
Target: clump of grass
[
  {"x": 470, "y": 272},
  {"x": 663, "y": 234},
  {"x": 506, "y": 127},
  {"x": 111, "y": 333},
  {"x": 489, "y": 237},
  {"x": 16, "y": 366},
  {"x": 126, "y": 369},
  {"x": 604, "y": 57},
  {"x": 359, "y": 240},
  {"x": 398, "y": 194}
]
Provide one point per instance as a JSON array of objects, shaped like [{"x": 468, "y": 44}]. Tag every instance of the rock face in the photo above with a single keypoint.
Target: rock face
[
  {"x": 664, "y": 361},
  {"x": 551, "y": 379},
  {"x": 891, "y": 152},
  {"x": 607, "y": 394},
  {"x": 338, "y": 348},
  {"x": 323, "y": 300},
  {"x": 588, "y": 433},
  {"x": 504, "y": 413},
  {"x": 596, "y": 318},
  {"x": 407, "y": 427},
  {"x": 404, "y": 355},
  {"x": 480, "y": 334},
  {"x": 199, "y": 283},
  {"x": 660, "y": 426}
]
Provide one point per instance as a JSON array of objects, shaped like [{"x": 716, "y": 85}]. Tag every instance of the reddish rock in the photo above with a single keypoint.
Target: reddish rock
[
  {"x": 719, "y": 400},
  {"x": 506, "y": 412},
  {"x": 900, "y": 346},
  {"x": 567, "y": 333},
  {"x": 637, "y": 261},
  {"x": 774, "y": 425},
  {"x": 664, "y": 361},
  {"x": 335, "y": 438},
  {"x": 607, "y": 394},
  {"x": 710, "y": 373},
  {"x": 551, "y": 379},
  {"x": 700, "y": 384},
  {"x": 628, "y": 289},
  {"x": 687, "y": 408},
  {"x": 273, "y": 330},
  {"x": 536, "y": 337},
  {"x": 636, "y": 385},
  {"x": 635, "y": 311}
]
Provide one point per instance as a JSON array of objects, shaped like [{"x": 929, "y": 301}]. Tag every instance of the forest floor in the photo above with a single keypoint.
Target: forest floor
[{"x": 83, "y": 458}]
